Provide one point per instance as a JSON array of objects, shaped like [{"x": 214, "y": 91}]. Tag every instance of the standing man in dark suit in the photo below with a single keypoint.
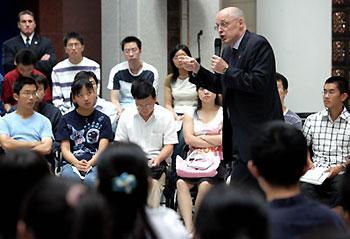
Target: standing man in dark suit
[
  {"x": 29, "y": 39},
  {"x": 246, "y": 77}
]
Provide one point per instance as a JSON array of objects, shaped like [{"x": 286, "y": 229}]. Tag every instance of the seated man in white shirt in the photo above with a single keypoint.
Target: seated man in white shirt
[
  {"x": 152, "y": 127},
  {"x": 26, "y": 128}
]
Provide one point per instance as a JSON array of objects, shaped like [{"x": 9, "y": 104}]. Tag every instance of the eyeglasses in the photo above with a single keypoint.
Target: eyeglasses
[
  {"x": 223, "y": 25},
  {"x": 134, "y": 50},
  {"x": 28, "y": 93},
  {"x": 329, "y": 92},
  {"x": 76, "y": 44},
  {"x": 147, "y": 107}
]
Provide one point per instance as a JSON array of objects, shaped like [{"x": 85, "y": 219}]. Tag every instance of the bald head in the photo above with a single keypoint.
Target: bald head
[
  {"x": 231, "y": 24},
  {"x": 233, "y": 12}
]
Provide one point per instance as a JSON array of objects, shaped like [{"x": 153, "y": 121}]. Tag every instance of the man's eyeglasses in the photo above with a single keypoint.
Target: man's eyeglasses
[
  {"x": 76, "y": 44},
  {"x": 28, "y": 93},
  {"x": 223, "y": 25},
  {"x": 134, "y": 50},
  {"x": 147, "y": 107}
]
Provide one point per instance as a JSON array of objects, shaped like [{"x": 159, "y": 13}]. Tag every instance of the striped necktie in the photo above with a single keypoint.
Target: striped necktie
[{"x": 27, "y": 42}]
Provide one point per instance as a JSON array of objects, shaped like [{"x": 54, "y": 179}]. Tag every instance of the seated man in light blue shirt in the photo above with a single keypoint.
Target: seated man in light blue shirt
[{"x": 26, "y": 128}]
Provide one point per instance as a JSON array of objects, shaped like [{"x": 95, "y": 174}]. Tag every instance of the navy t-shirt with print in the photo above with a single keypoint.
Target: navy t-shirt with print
[{"x": 84, "y": 132}]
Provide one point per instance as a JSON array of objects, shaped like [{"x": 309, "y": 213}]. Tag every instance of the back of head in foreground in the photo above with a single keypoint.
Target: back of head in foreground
[
  {"x": 48, "y": 210},
  {"x": 123, "y": 177},
  {"x": 232, "y": 213},
  {"x": 20, "y": 170},
  {"x": 279, "y": 152}
]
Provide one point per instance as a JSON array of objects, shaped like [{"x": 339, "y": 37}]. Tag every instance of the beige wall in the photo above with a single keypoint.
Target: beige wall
[{"x": 249, "y": 9}]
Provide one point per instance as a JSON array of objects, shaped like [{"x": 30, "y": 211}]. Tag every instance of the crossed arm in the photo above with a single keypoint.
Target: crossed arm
[{"x": 43, "y": 147}]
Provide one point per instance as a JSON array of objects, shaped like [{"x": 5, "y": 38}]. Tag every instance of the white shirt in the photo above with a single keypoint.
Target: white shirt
[
  {"x": 150, "y": 135},
  {"x": 166, "y": 223}
]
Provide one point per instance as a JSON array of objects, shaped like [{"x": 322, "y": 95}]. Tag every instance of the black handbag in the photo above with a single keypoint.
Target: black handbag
[{"x": 158, "y": 171}]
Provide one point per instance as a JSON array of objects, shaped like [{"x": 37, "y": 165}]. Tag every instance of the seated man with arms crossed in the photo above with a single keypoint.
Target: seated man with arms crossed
[{"x": 26, "y": 128}]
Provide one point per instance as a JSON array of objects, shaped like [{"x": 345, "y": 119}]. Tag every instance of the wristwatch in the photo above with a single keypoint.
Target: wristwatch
[
  {"x": 343, "y": 166},
  {"x": 225, "y": 69}
]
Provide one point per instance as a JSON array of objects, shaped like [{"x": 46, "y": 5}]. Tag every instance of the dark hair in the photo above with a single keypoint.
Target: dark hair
[
  {"x": 87, "y": 74},
  {"x": 232, "y": 212},
  {"x": 283, "y": 79},
  {"x": 79, "y": 82},
  {"x": 128, "y": 209},
  {"x": 20, "y": 170},
  {"x": 343, "y": 87},
  {"x": 73, "y": 35},
  {"x": 279, "y": 152},
  {"x": 92, "y": 209},
  {"x": 199, "y": 102},
  {"x": 341, "y": 82},
  {"x": 21, "y": 81},
  {"x": 51, "y": 204},
  {"x": 141, "y": 89},
  {"x": 130, "y": 39},
  {"x": 40, "y": 79},
  {"x": 26, "y": 57},
  {"x": 24, "y": 12},
  {"x": 172, "y": 54}
]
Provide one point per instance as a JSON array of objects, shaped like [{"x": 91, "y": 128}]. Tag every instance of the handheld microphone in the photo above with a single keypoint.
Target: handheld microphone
[{"x": 217, "y": 46}]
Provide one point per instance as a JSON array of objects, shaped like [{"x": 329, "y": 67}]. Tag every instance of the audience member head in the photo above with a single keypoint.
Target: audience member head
[
  {"x": 25, "y": 60},
  {"x": 336, "y": 92},
  {"x": 130, "y": 39},
  {"x": 25, "y": 92},
  {"x": 26, "y": 22},
  {"x": 131, "y": 46},
  {"x": 145, "y": 97},
  {"x": 203, "y": 97},
  {"x": 20, "y": 170},
  {"x": 74, "y": 47},
  {"x": 91, "y": 210},
  {"x": 282, "y": 86},
  {"x": 82, "y": 92},
  {"x": 48, "y": 209},
  {"x": 123, "y": 179},
  {"x": 42, "y": 83},
  {"x": 73, "y": 35},
  {"x": 179, "y": 50},
  {"x": 279, "y": 153},
  {"x": 232, "y": 213},
  {"x": 91, "y": 76}
]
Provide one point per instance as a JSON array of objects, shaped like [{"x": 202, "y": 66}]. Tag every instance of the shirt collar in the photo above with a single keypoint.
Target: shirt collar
[
  {"x": 345, "y": 115},
  {"x": 24, "y": 37},
  {"x": 238, "y": 42}
]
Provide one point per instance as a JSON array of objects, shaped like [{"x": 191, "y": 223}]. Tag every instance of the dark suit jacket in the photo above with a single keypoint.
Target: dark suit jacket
[
  {"x": 40, "y": 45},
  {"x": 249, "y": 92}
]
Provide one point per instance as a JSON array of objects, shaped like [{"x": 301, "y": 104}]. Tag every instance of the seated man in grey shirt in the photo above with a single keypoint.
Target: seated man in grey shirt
[{"x": 289, "y": 116}]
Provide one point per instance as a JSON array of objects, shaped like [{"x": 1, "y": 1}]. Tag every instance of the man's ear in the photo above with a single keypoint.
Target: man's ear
[
  {"x": 15, "y": 96},
  {"x": 252, "y": 169}
]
